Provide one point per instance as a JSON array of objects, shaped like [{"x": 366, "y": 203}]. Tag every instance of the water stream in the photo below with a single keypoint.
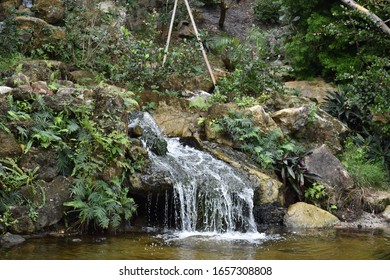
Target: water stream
[{"x": 209, "y": 196}]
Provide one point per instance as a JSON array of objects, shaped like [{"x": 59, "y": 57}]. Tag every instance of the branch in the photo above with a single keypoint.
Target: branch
[{"x": 373, "y": 17}]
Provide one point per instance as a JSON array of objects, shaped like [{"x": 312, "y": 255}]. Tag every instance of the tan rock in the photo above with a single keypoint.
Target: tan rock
[
  {"x": 303, "y": 215},
  {"x": 316, "y": 90}
]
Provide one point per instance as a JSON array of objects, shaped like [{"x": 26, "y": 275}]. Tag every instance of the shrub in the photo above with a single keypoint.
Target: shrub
[
  {"x": 267, "y": 11},
  {"x": 365, "y": 172}
]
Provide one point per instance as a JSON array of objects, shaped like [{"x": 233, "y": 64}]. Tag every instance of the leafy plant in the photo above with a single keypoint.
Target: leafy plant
[
  {"x": 101, "y": 204},
  {"x": 315, "y": 193},
  {"x": 365, "y": 172},
  {"x": 267, "y": 11},
  {"x": 339, "y": 105},
  {"x": 12, "y": 180}
]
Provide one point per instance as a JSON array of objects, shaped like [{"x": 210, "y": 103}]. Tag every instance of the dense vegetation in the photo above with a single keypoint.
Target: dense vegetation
[{"x": 318, "y": 38}]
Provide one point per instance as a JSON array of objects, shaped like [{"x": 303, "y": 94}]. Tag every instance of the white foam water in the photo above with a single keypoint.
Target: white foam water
[{"x": 210, "y": 197}]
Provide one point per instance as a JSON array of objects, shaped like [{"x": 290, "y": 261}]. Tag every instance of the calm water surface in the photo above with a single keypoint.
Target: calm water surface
[{"x": 148, "y": 244}]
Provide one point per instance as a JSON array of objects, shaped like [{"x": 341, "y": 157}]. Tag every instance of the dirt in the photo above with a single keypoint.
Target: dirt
[
  {"x": 366, "y": 221},
  {"x": 239, "y": 19}
]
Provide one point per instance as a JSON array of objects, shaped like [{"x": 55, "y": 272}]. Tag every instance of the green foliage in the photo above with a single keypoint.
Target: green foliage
[
  {"x": 265, "y": 148},
  {"x": 10, "y": 37},
  {"x": 19, "y": 187},
  {"x": 316, "y": 192},
  {"x": 331, "y": 39},
  {"x": 365, "y": 172},
  {"x": 85, "y": 150},
  {"x": 339, "y": 105},
  {"x": 199, "y": 103},
  {"x": 267, "y": 11},
  {"x": 250, "y": 72},
  {"x": 103, "y": 204},
  {"x": 272, "y": 150}
]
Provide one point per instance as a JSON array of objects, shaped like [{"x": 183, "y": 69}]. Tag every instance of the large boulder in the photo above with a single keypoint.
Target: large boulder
[
  {"x": 376, "y": 201},
  {"x": 292, "y": 120},
  {"x": 9, "y": 146},
  {"x": 324, "y": 164},
  {"x": 18, "y": 79},
  {"x": 262, "y": 119},
  {"x": 45, "y": 159},
  {"x": 303, "y": 215},
  {"x": 37, "y": 32},
  {"x": 109, "y": 102},
  {"x": 23, "y": 222},
  {"x": 172, "y": 115},
  {"x": 179, "y": 82},
  {"x": 52, "y": 11},
  {"x": 312, "y": 127},
  {"x": 57, "y": 192}
]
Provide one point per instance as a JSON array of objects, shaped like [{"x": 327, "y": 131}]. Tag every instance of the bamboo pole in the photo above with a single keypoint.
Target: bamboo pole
[
  {"x": 196, "y": 34},
  {"x": 200, "y": 42},
  {"x": 170, "y": 32}
]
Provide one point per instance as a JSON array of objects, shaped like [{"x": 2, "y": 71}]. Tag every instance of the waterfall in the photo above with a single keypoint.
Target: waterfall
[{"x": 209, "y": 195}]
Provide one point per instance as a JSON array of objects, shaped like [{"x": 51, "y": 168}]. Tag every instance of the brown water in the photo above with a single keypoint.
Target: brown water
[{"x": 145, "y": 245}]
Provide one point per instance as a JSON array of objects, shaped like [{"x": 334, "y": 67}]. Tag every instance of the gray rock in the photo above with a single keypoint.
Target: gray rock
[
  {"x": 9, "y": 240},
  {"x": 315, "y": 90},
  {"x": 57, "y": 192},
  {"x": 24, "y": 223},
  {"x": 292, "y": 120},
  {"x": 45, "y": 159},
  {"x": 330, "y": 170}
]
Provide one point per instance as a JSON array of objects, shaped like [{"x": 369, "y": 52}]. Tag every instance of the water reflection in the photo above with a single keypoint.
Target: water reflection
[{"x": 320, "y": 245}]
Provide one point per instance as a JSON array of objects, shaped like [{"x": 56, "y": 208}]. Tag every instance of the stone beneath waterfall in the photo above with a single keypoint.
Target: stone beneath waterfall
[
  {"x": 386, "y": 214},
  {"x": 9, "y": 240},
  {"x": 303, "y": 215}
]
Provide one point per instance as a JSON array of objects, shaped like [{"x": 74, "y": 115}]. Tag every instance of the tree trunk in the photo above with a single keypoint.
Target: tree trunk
[
  {"x": 223, "y": 8},
  {"x": 373, "y": 17}
]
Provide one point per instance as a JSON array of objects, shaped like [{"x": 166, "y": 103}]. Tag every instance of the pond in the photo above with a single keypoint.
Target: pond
[{"x": 150, "y": 244}]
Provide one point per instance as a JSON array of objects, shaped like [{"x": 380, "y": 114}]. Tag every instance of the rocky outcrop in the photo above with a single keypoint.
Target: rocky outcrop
[
  {"x": 312, "y": 127},
  {"x": 315, "y": 90},
  {"x": 37, "y": 32},
  {"x": 9, "y": 146},
  {"x": 52, "y": 11},
  {"x": 262, "y": 119},
  {"x": 173, "y": 115},
  {"x": 328, "y": 168},
  {"x": 303, "y": 215},
  {"x": 44, "y": 159},
  {"x": 57, "y": 192}
]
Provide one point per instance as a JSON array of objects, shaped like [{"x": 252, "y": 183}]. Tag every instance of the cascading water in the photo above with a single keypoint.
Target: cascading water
[{"x": 209, "y": 195}]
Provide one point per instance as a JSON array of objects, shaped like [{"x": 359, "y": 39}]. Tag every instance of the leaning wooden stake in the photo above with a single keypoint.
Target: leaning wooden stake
[
  {"x": 196, "y": 34},
  {"x": 170, "y": 32}
]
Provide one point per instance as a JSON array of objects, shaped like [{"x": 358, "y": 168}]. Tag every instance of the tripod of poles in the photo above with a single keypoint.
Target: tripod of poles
[{"x": 196, "y": 34}]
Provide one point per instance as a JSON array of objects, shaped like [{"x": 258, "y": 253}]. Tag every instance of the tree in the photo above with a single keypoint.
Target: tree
[{"x": 373, "y": 17}]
